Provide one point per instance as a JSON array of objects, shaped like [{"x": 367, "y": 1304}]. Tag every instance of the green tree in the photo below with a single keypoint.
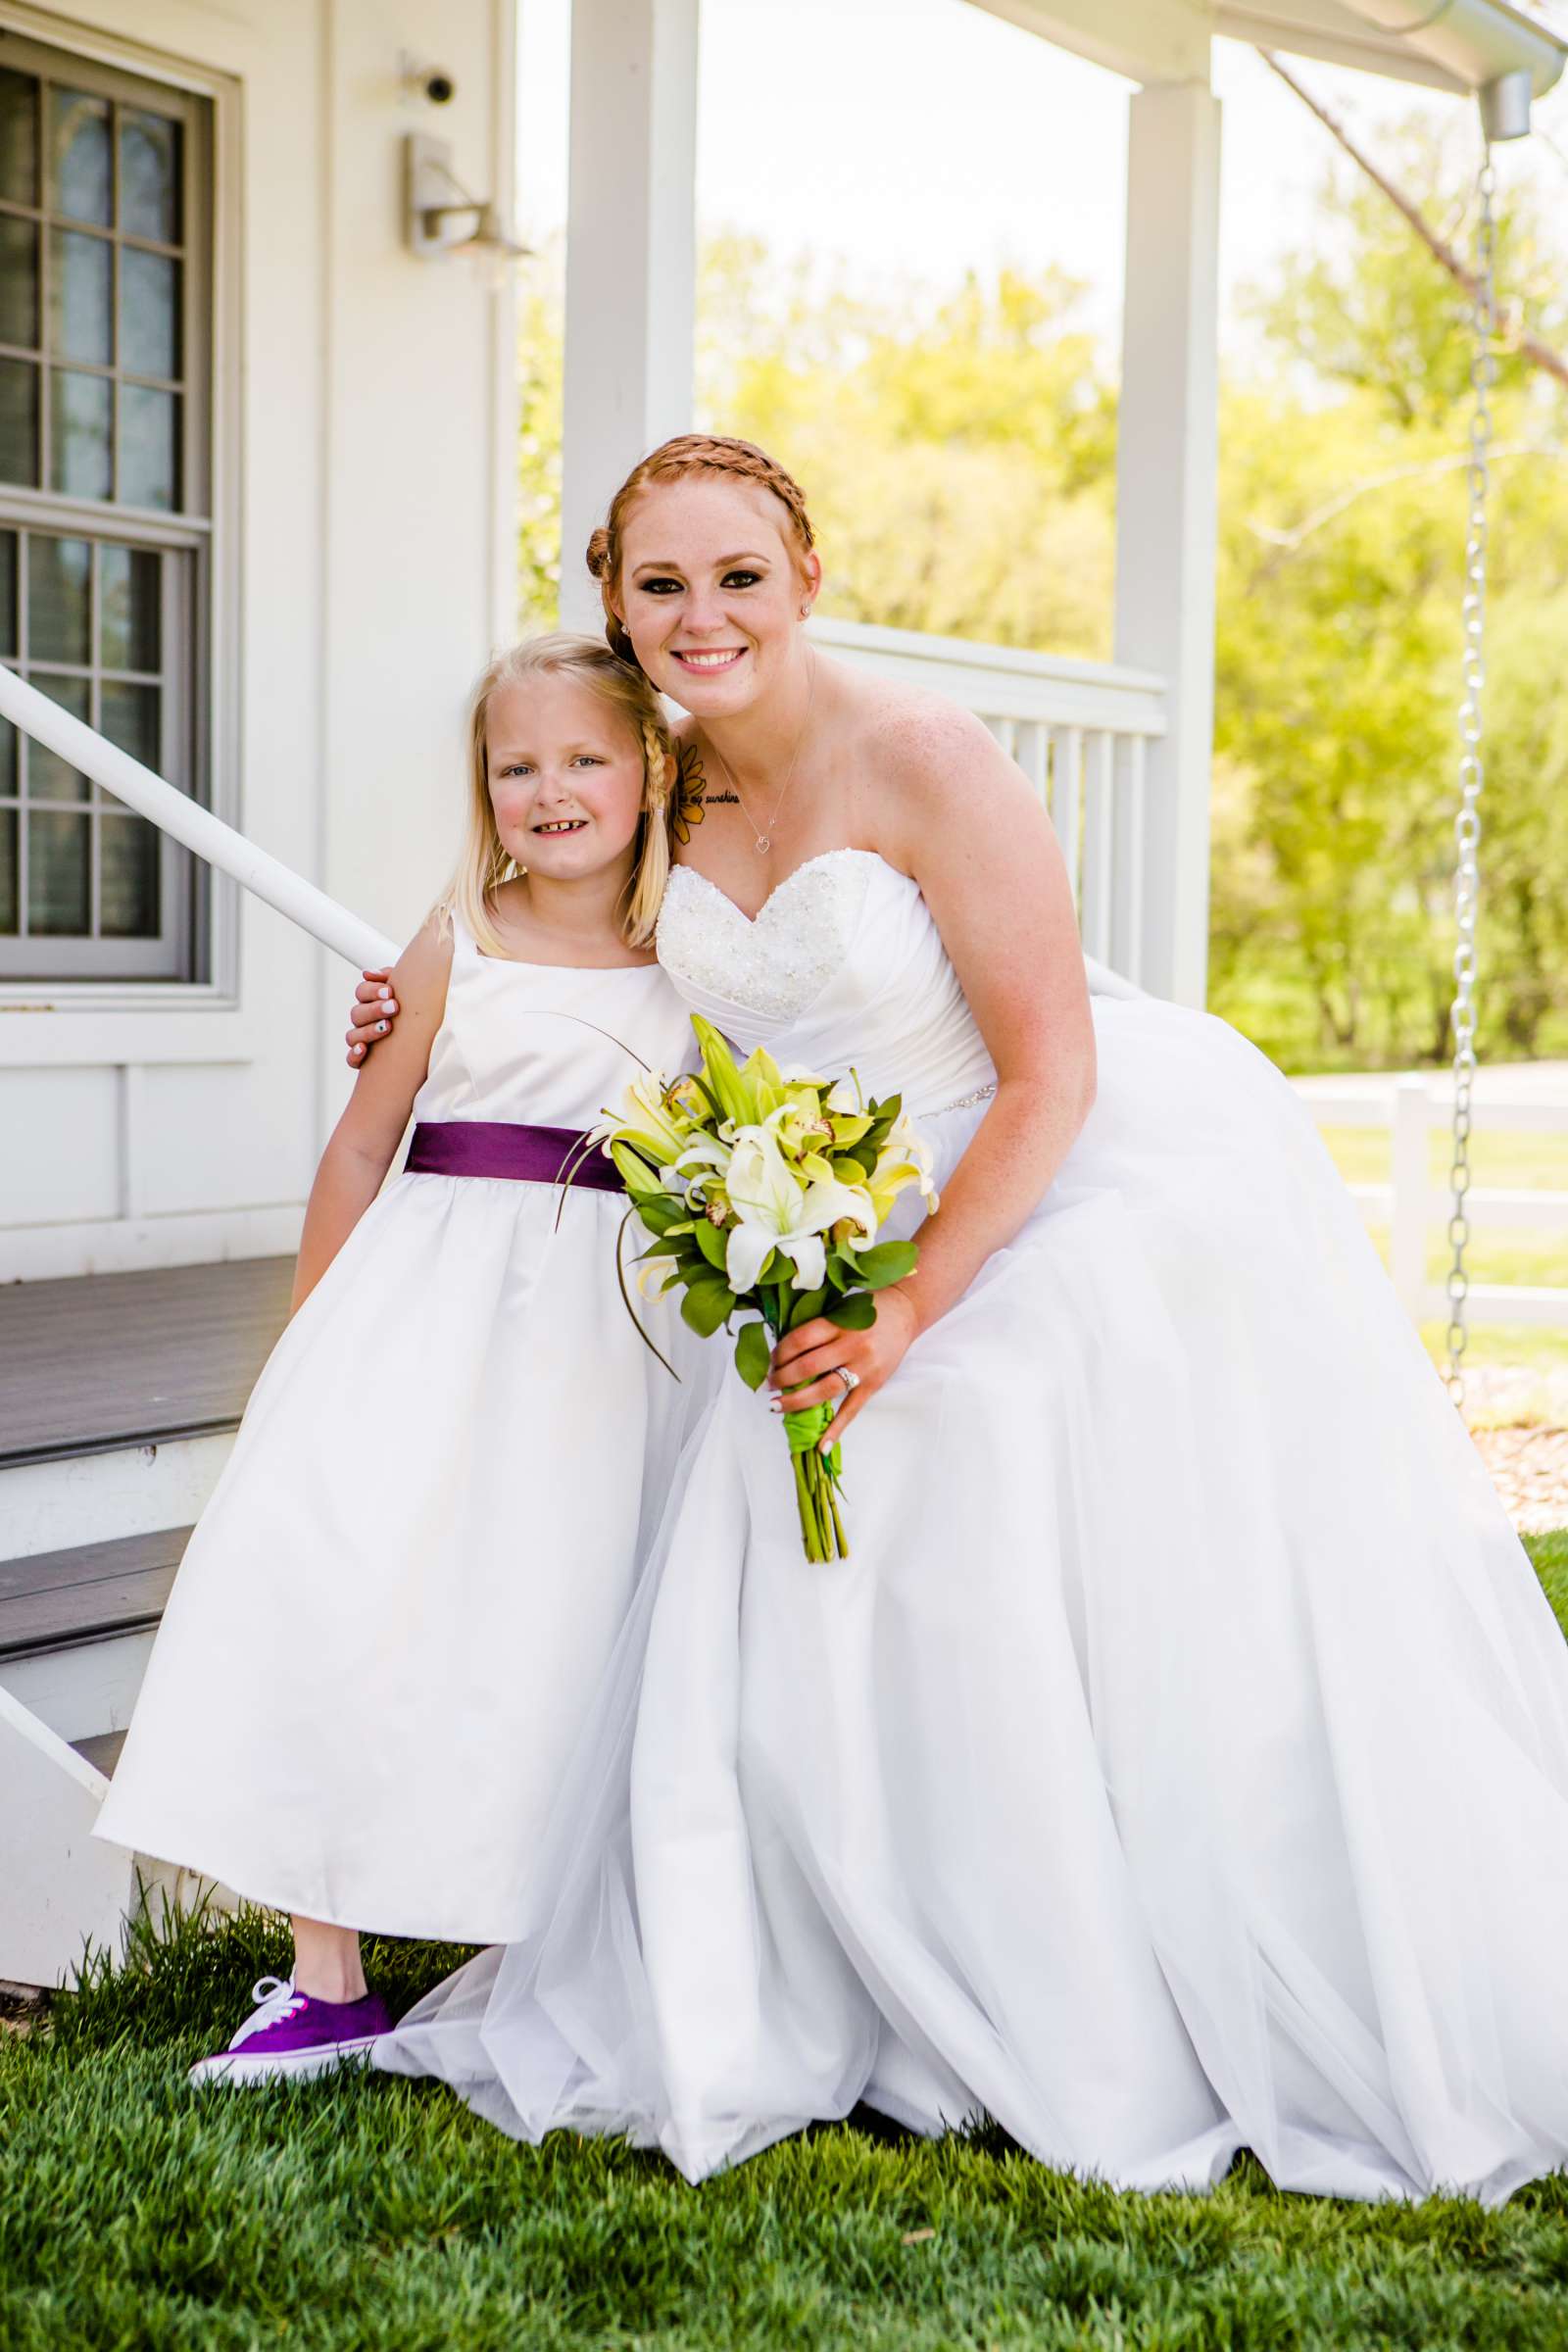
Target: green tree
[
  {"x": 957, "y": 448},
  {"x": 1341, "y": 576}
]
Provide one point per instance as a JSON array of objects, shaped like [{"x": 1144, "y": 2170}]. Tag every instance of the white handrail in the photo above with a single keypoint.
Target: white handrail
[{"x": 194, "y": 827}]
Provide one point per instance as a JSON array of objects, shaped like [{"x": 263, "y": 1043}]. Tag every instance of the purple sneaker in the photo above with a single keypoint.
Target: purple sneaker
[{"x": 291, "y": 2036}]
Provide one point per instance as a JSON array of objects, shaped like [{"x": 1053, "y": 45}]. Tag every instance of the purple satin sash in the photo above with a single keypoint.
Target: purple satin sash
[{"x": 502, "y": 1147}]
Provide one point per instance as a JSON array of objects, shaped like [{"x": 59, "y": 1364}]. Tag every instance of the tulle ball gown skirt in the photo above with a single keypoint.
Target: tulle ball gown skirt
[{"x": 1179, "y": 1763}]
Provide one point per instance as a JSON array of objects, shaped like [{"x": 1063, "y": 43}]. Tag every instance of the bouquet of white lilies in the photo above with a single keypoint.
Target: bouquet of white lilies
[{"x": 765, "y": 1195}]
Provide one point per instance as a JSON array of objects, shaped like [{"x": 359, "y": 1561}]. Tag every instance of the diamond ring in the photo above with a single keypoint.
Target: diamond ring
[{"x": 851, "y": 1380}]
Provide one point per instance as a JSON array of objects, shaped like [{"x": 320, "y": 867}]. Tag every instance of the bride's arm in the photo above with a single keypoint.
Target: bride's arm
[{"x": 954, "y": 812}]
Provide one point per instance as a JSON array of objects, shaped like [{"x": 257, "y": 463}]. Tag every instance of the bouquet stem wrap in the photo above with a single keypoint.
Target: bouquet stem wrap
[{"x": 816, "y": 1482}]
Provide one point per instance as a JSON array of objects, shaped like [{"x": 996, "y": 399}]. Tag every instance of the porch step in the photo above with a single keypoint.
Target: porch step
[
  {"x": 101, "y": 1753},
  {"x": 58, "y": 1599},
  {"x": 119, "y": 1396},
  {"x": 77, "y": 1630},
  {"x": 108, "y": 1361}
]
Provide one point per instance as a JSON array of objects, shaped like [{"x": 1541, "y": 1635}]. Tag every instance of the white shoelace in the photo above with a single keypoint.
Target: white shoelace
[{"x": 276, "y": 1999}]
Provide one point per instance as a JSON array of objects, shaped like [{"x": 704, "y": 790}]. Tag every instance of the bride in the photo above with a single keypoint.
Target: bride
[{"x": 1180, "y": 1763}]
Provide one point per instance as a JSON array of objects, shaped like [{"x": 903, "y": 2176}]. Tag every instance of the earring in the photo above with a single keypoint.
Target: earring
[{"x": 805, "y": 611}]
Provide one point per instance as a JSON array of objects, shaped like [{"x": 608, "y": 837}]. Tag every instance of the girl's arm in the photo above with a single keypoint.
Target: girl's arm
[
  {"x": 955, "y": 813},
  {"x": 360, "y": 1151}
]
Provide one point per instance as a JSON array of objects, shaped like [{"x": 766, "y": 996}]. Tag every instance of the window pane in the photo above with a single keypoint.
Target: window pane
[
  {"x": 149, "y": 313},
  {"x": 8, "y": 761},
  {"x": 57, "y": 871},
  {"x": 80, "y": 273},
  {"x": 58, "y": 579},
  {"x": 78, "y": 433},
  {"x": 129, "y": 716},
  {"x": 79, "y": 156},
  {"x": 8, "y": 871},
  {"x": 18, "y": 281},
  {"x": 128, "y": 877},
  {"x": 8, "y": 595},
  {"x": 19, "y": 423},
  {"x": 48, "y": 777},
  {"x": 18, "y": 138},
  {"x": 149, "y": 473},
  {"x": 149, "y": 175},
  {"x": 128, "y": 603}
]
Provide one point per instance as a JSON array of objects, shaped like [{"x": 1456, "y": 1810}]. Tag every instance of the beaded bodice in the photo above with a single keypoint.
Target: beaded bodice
[
  {"x": 776, "y": 962},
  {"x": 843, "y": 968}
]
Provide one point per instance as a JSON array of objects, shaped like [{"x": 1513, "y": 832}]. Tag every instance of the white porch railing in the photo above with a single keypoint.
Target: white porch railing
[
  {"x": 1078, "y": 730},
  {"x": 1413, "y": 1205},
  {"x": 196, "y": 829}
]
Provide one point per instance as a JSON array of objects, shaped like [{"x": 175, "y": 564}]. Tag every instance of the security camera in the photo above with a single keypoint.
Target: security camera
[{"x": 432, "y": 84}]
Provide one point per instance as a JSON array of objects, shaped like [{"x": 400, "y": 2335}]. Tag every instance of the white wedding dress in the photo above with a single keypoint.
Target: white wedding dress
[
  {"x": 1180, "y": 1763},
  {"x": 387, "y": 1626}
]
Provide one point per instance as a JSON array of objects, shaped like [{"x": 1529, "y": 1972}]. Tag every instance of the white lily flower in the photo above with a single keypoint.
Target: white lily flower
[
  {"x": 647, "y": 1122},
  {"x": 777, "y": 1211},
  {"x": 904, "y": 1159},
  {"x": 653, "y": 1272}
]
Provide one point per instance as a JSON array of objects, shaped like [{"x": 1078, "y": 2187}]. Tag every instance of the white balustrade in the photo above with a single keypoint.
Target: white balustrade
[
  {"x": 1079, "y": 731},
  {"x": 1415, "y": 1207}
]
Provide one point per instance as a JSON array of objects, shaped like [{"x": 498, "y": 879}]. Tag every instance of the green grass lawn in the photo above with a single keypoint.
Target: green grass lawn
[{"x": 374, "y": 2212}]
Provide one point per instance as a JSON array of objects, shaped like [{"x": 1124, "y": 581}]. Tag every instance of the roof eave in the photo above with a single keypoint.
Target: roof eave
[{"x": 1464, "y": 45}]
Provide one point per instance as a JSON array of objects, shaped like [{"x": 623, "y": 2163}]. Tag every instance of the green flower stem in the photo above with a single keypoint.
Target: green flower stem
[
  {"x": 817, "y": 1474},
  {"x": 810, "y": 1537}
]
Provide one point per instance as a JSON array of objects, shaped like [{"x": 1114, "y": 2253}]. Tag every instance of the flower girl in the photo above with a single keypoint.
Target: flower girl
[{"x": 368, "y": 1679}]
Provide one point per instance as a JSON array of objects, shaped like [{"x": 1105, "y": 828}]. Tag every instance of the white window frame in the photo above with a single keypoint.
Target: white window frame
[{"x": 32, "y": 40}]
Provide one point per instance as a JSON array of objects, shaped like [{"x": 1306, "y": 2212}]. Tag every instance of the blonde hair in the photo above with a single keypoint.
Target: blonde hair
[
  {"x": 486, "y": 863},
  {"x": 676, "y": 461}
]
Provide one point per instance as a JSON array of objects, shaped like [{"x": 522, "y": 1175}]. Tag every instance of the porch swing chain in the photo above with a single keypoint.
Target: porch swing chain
[{"x": 1467, "y": 824}]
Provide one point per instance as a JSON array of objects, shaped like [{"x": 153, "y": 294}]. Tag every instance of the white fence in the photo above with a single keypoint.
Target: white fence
[
  {"x": 1414, "y": 1206},
  {"x": 1078, "y": 729}
]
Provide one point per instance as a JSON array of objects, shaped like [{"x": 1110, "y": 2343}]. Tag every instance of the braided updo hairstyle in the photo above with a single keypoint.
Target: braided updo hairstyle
[
  {"x": 486, "y": 863},
  {"x": 674, "y": 461}
]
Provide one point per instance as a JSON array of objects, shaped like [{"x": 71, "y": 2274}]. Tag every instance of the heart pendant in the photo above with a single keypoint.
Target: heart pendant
[{"x": 763, "y": 845}]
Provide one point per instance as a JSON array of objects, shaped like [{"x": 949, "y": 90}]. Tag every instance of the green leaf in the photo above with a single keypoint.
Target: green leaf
[
  {"x": 658, "y": 1212},
  {"x": 889, "y": 1261},
  {"x": 857, "y": 1312},
  {"x": 707, "y": 1304},
  {"x": 753, "y": 1353},
  {"x": 710, "y": 1242},
  {"x": 805, "y": 1306}
]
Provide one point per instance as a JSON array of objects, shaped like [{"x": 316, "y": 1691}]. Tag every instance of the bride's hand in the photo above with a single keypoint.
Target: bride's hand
[
  {"x": 814, "y": 1355},
  {"x": 372, "y": 1013}
]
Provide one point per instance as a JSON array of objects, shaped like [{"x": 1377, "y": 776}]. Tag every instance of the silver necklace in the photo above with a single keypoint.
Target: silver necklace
[{"x": 764, "y": 834}]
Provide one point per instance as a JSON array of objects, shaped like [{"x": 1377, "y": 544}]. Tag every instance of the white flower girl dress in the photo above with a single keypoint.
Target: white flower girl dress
[
  {"x": 1181, "y": 1760},
  {"x": 381, "y": 1642}
]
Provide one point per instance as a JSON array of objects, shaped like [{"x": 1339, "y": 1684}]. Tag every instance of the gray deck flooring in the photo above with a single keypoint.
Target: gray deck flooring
[
  {"x": 117, "y": 1359},
  {"x": 55, "y": 1600}
]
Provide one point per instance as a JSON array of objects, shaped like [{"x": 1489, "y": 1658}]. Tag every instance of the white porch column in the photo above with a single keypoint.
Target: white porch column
[
  {"x": 631, "y": 259},
  {"x": 1165, "y": 504}
]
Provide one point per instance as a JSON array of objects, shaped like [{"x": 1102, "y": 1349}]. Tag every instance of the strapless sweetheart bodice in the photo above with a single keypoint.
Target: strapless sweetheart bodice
[{"x": 841, "y": 967}]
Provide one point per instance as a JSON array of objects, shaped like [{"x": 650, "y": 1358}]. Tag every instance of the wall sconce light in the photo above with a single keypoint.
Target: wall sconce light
[{"x": 439, "y": 215}]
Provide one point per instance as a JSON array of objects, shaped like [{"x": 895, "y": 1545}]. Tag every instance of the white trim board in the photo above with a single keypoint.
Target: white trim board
[{"x": 133, "y": 1244}]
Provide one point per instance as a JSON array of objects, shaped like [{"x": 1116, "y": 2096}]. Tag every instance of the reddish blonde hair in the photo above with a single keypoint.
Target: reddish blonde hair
[{"x": 676, "y": 461}]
